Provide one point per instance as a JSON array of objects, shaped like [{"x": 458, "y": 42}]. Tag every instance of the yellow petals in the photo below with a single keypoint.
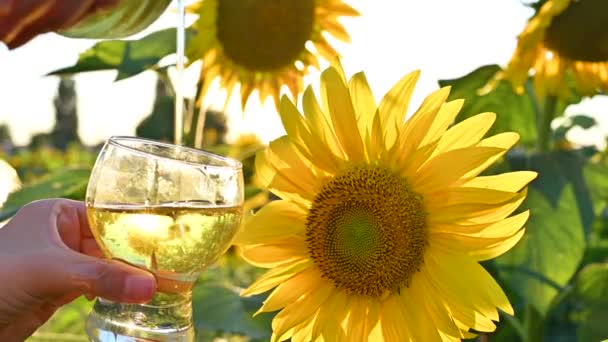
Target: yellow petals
[
  {"x": 291, "y": 290},
  {"x": 275, "y": 221},
  {"x": 479, "y": 289},
  {"x": 445, "y": 117},
  {"x": 419, "y": 125},
  {"x": 363, "y": 100},
  {"x": 462, "y": 218},
  {"x": 364, "y": 315},
  {"x": 511, "y": 181},
  {"x": 502, "y": 140},
  {"x": 393, "y": 321},
  {"x": 277, "y": 253},
  {"x": 501, "y": 228},
  {"x": 394, "y": 104},
  {"x": 432, "y": 307},
  {"x": 477, "y": 212},
  {"x": 466, "y": 195},
  {"x": 276, "y": 276},
  {"x": 320, "y": 122},
  {"x": 466, "y": 133},
  {"x": 341, "y": 110},
  {"x": 329, "y": 323},
  {"x": 298, "y": 311},
  {"x": 280, "y": 167},
  {"x": 229, "y": 53},
  {"x": 459, "y": 162}
]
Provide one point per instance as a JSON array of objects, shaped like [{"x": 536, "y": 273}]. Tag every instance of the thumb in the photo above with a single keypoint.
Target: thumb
[{"x": 75, "y": 273}]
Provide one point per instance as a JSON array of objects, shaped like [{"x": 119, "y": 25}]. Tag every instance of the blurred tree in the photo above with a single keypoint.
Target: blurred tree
[
  {"x": 159, "y": 125},
  {"x": 6, "y": 139},
  {"x": 65, "y": 130},
  {"x": 66, "y": 115}
]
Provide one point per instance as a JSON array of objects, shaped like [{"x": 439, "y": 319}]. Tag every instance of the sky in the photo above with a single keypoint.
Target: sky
[{"x": 443, "y": 38}]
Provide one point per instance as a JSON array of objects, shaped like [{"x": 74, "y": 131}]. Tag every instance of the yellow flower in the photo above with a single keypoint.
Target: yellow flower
[
  {"x": 381, "y": 222},
  {"x": 263, "y": 44},
  {"x": 564, "y": 39}
]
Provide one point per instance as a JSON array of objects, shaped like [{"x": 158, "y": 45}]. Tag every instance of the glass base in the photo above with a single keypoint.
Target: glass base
[{"x": 166, "y": 318}]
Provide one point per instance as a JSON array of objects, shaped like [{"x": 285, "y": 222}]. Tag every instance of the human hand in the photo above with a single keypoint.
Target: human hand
[
  {"x": 48, "y": 257},
  {"x": 22, "y": 20}
]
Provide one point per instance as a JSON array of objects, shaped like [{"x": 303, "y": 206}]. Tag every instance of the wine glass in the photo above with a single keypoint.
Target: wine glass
[{"x": 169, "y": 209}]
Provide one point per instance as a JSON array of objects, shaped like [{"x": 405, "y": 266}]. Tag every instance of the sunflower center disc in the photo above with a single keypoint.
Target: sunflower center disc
[
  {"x": 580, "y": 32},
  {"x": 264, "y": 35},
  {"x": 366, "y": 231}
]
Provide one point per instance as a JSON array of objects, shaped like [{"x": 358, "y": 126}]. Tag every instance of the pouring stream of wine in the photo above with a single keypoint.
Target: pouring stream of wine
[{"x": 179, "y": 95}]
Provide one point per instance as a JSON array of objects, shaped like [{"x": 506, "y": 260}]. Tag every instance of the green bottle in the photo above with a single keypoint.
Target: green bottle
[{"x": 125, "y": 18}]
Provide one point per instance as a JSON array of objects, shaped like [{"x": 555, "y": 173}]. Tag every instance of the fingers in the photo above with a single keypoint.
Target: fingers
[
  {"x": 110, "y": 279},
  {"x": 24, "y": 326},
  {"x": 89, "y": 247}
]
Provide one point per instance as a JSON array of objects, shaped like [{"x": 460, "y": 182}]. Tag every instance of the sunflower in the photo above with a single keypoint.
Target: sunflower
[
  {"x": 263, "y": 44},
  {"x": 381, "y": 222},
  {"x": 565, "y": 40}
]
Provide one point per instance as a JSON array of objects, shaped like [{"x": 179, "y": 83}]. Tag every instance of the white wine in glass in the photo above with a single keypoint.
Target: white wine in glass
[{"x": 168, "y": 209}]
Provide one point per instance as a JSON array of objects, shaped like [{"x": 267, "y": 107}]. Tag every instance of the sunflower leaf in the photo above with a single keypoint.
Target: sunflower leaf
[
  {"x": 67, "y": 324},
  {"x": 554, "y": 236},
  {"x": 582, "y": 121},
  {"x": 218, "y": 308},
  {"x": 66, "y": 183},
  {"x": 557, "y": 169},
  {"x": 593, "y": 326},
  {"x": 128, "y": 57},
  {"x": 514, "y": 112}
]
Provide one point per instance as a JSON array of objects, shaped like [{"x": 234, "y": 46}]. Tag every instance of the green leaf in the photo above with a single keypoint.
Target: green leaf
[
  {"x": 67, "y": 324},
  {"x": 592, "y": 284},
  {"x": 219, "y": 308},
  {"x": 128, "y": 57},
  {"x": 66, "y": 183},
  {"x": 556, "y": 170},
  {"x": 593, "y": 326},
  {"x": 514, "y": 112},
  {"x": 549, "y": 254},
  {"x": 582, "y": 121},
  {"x": 595, "y": 177}
]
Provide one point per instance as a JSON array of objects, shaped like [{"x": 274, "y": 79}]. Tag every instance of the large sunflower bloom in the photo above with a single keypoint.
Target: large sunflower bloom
[
  {"x": 262, "y": 44},
  {"x": 565, "y": 43},
  {"x": 382, "y": 221}
]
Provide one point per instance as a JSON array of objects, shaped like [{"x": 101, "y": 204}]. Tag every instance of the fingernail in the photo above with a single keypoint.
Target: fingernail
[{"x": 139, "y": 287}]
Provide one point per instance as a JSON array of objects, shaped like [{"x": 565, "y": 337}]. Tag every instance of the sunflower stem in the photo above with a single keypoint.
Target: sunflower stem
[
  {"x": 544, "y": 123},
  {"x": 533, "y": 325}
]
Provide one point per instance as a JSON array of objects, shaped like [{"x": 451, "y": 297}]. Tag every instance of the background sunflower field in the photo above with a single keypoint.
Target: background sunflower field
[{"x": 556, "y": 277}]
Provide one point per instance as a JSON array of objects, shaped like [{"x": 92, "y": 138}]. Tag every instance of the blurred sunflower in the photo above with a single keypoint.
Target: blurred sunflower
[
  {"x": 564, "y": 39},
  {"x": 380, "y": 218},
  {"x": 262, "y": 44}
]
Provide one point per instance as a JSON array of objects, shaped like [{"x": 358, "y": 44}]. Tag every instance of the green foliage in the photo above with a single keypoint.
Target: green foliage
[
  {"x": 591, "y": 289},
  {"x": 128, "y": 57},
  {"x": 514, "y": 112},
  {"x": 568, "y": 226},
  {"x": 554, "y": 237},
  {"x": 67, "y": 324},
  {"x": 65, "y": 183},
  {"x": 582, "y": 121},
  {"x": 218, "y": 308}
]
